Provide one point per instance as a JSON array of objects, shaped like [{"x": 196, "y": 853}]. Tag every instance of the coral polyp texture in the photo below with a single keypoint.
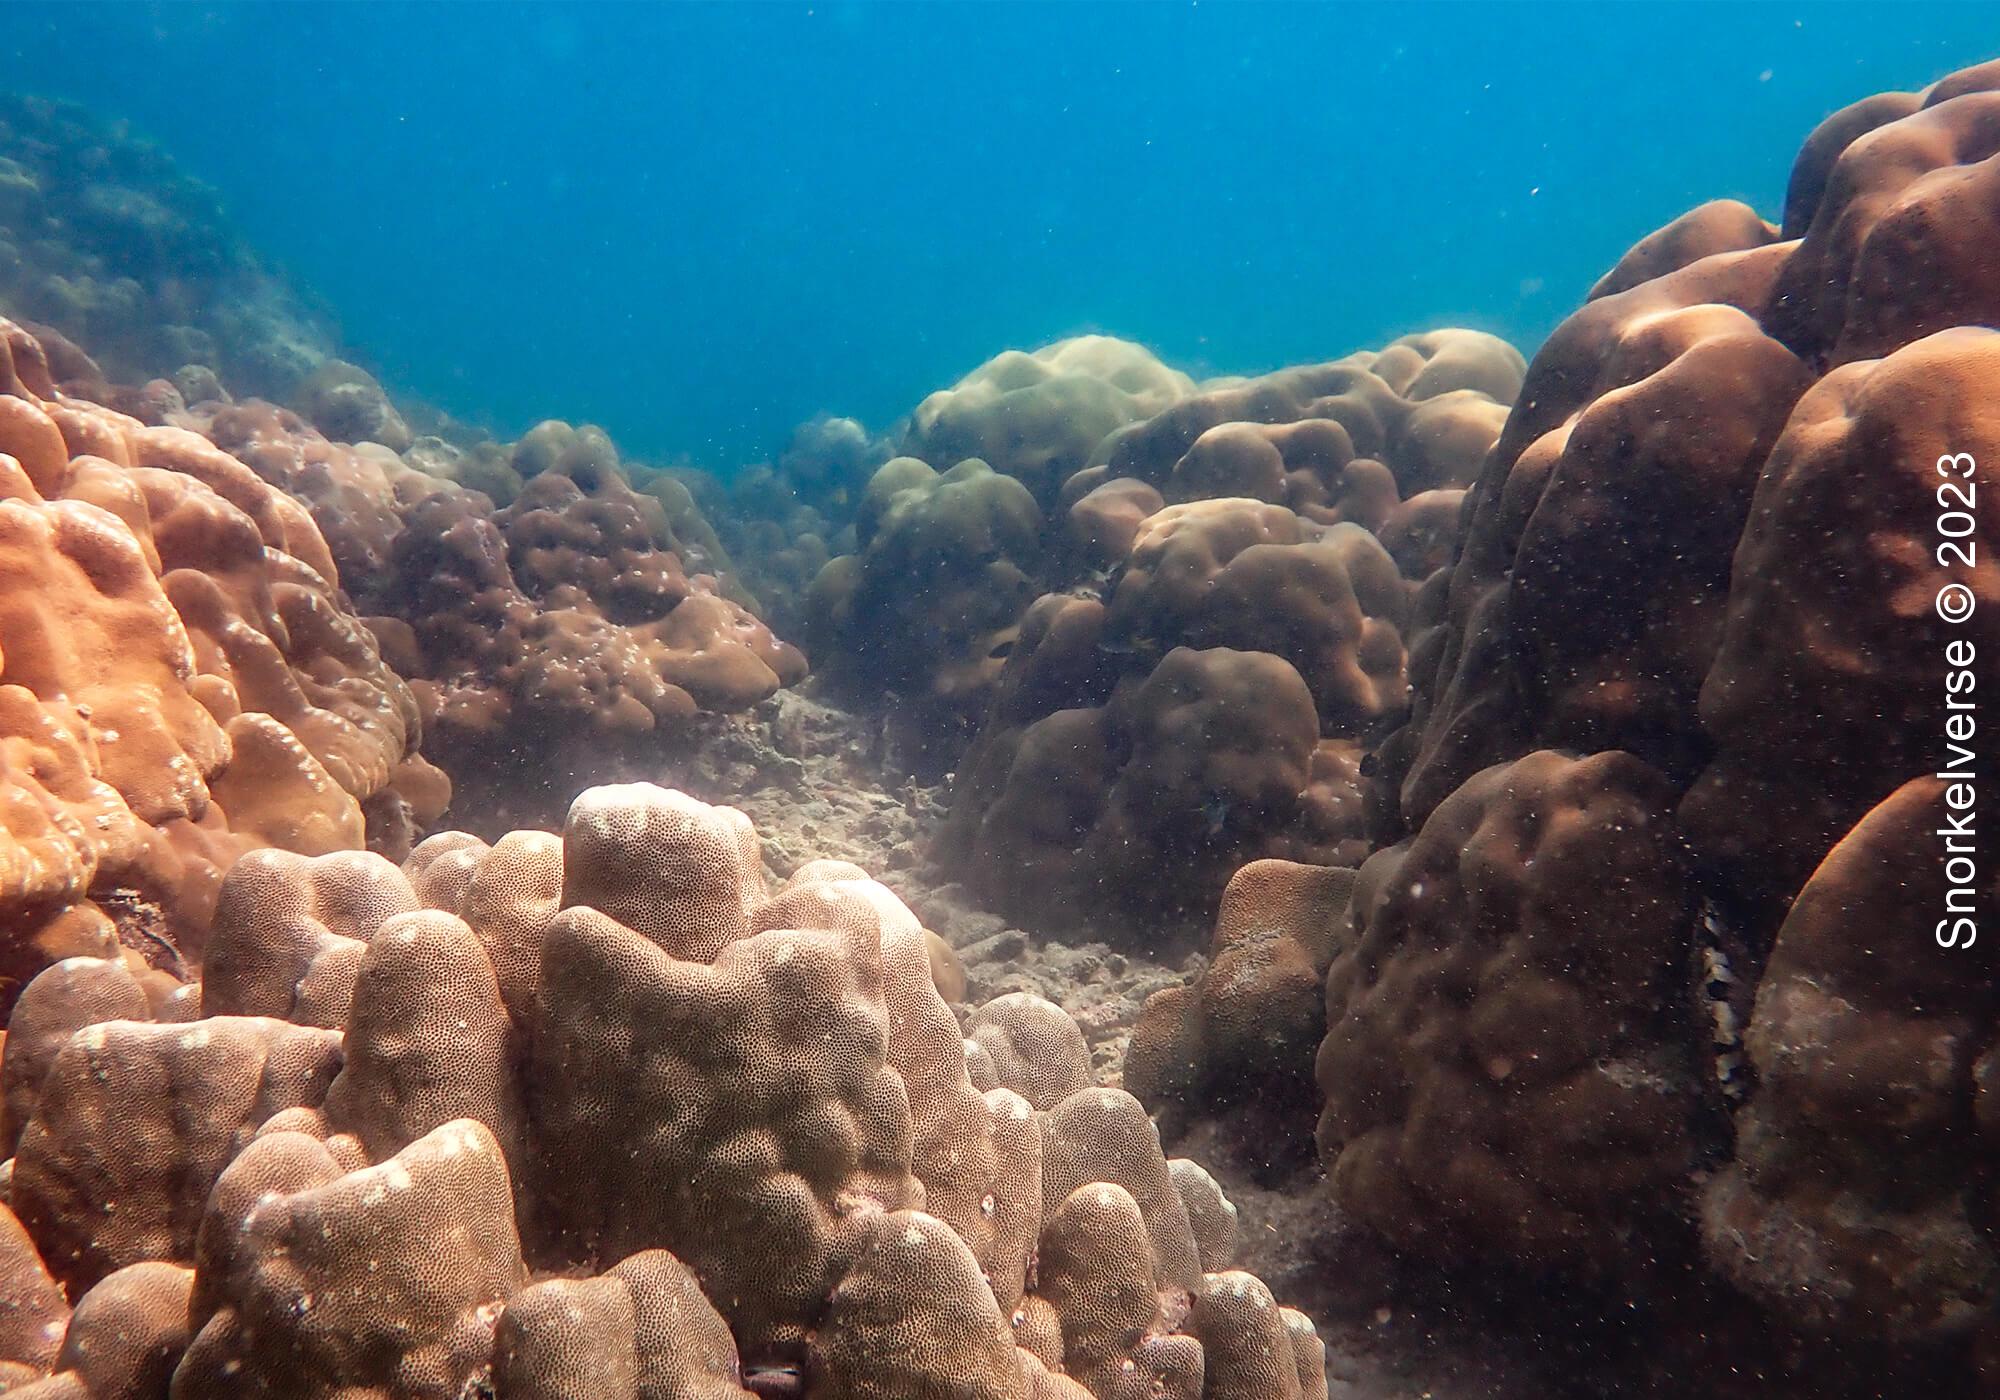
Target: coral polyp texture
[
  {"x": 569, "y": 605},
  {"x": 225, "y": 630},
  {"x": 1571, "y": 763},
  {"x": 1852, "y": 1203},
  {"x": 1709, "y": 536},
  {"x": 1426, "y": 407},
  {"x": 1553, "y": 1110},
  {"x": 557, "y": 1114},
  {"x": 1655, "y": 966},
  {"x": 181, "y": 678},
  {"x": 1244, "y": 1033}
]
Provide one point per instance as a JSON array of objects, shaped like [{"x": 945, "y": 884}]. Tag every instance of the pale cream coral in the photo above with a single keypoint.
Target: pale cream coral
[{"x": 786, "y": 1104}]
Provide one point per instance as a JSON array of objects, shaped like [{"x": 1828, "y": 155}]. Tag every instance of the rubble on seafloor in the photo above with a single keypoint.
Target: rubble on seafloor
[{"x": 822, "y": 782}]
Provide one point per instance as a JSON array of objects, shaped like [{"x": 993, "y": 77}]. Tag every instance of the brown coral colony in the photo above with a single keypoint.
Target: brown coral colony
[{"x": 1505, "y": 776}]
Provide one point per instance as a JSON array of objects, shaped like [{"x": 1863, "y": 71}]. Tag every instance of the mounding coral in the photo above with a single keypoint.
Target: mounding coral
[
  {"x": 931, "y": 603},
  {"x": 181, "y": 681},
  {"x": 1243, "y": 1034},
  {"x": 226, "y": 631},
  {"x": 1064, "y": 454},
  {"x": 460, "y": 1128},
  {"x": 1037, "y": 416},
  {"x": 1657, "y": 975},
  {"x": 1549, "y": 740},
  {"x": 581, "y": 605},
  {"x": 1695, "y": 549},
  {"x": 570, "y": 606},
  {"x": 1206, "y": 696},
  {"x": 1857, "y": 1201},
  {"x": 1426, "y": 407},
  {"x": 1551, "y": 1113},
  {"x": 1708, "y": 541}
]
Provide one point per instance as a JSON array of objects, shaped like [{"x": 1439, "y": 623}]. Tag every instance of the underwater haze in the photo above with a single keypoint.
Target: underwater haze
[
  {"x": 699, "y": 225},
  {"x": 1144, "y": 702}
]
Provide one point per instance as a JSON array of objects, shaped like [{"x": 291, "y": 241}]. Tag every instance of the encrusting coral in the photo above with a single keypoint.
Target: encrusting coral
[{"x": 457, "y": 1129}]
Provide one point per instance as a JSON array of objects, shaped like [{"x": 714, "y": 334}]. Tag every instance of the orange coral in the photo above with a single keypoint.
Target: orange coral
[{"x": 179, "y": 677}]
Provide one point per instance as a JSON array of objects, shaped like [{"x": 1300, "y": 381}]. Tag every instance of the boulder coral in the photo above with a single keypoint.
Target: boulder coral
[
  {"x": 557, "y": 614},
  {"x": 1509, "y": 1065},
  {"x": 1232, "y": 572},
  {"x": 1694, "y": 549},
  {"x": 1657, "y": 967},
  {"x": 181, "y": 679},
  {"x": 1037, "y": 416},
  {"x": 931, "y": 603},
  {"x": 1077, "y": 445},
  {"x": 730, "y": 1142},
  {"x": 580, "y": 601},
  {"x": 1142, "y": 804},
  {"x": 345, "y": 402},
  {"x": 1277, "y": 527},
  {"x": 1828, "y": 728},
  {"x": 1666, "y": 970},
  {"x": 1243, "y": 1033},
  {"x": 1859, "y": 1198},
  {"x": 1426, "y": 407},
  {"x": 828, "y": 460},
  {"x": 1213, "y": 710}
]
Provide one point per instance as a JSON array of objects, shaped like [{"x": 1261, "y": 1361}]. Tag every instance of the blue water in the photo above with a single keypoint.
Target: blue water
[{"x": 698, "y": 225}]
